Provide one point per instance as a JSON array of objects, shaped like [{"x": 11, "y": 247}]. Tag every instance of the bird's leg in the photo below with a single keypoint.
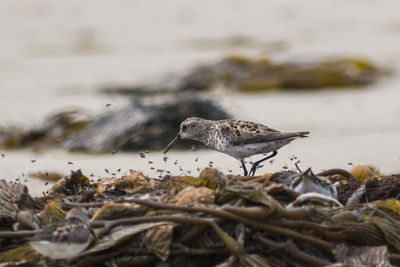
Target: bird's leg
[
  {"x": 244, "y": 167},
  {"x": 255, "y": 165}
]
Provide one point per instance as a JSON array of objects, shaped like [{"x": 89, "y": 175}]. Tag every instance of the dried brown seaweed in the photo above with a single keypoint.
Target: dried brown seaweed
[
  {"x": 14, "y": 197},
  {"x": 215, "y": 220}
]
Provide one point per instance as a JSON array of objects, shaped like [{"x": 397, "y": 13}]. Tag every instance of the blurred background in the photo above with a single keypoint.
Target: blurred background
[{"x": 102, "y": 86}]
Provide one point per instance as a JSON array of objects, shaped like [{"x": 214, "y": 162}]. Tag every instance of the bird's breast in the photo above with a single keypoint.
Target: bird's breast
[{"x": 217, "y": 141}]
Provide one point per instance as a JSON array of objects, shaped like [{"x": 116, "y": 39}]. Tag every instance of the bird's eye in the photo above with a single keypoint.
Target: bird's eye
[{"x": 184, "y": 127}]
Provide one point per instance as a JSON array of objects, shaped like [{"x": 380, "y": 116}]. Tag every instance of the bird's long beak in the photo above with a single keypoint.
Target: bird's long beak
[{"x": 173, "y": 142}]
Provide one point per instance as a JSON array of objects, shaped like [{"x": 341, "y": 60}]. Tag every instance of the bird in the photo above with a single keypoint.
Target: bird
[
  {"x": 236, "y": 138},
  {"x": 65, "y": 239},
  {"x": 309, "y": 182}
]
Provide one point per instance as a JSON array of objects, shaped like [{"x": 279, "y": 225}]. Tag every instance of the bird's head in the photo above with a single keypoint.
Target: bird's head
[
  {"x": 80, "y": 213},
  {"x": 192, "y": 128}
]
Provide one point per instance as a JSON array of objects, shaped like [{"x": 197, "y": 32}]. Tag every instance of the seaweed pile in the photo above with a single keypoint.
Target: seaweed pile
[
  {"x": 214, "y": 219},
  {"x": 262, "y": 74}
]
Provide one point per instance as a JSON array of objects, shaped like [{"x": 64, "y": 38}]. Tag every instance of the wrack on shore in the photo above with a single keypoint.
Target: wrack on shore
[{"x": 214, "y": 219}]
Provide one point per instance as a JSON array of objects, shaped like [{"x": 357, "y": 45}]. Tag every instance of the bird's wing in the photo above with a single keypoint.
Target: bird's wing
[
  {"x": 62, "y": 232},
  {"x": 272, "y": 136},
  {"x": 244, "y": 132}
]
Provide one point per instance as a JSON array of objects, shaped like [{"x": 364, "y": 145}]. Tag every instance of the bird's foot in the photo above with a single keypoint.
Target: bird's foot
[{"x": 253, "y": 170}]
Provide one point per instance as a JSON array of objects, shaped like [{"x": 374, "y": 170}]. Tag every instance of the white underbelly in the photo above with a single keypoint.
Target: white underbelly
[
  {"x": 58, "y": 251},
  {"x": 244, "y": 151}
]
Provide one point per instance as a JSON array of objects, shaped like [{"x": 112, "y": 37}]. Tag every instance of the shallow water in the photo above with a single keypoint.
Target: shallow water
[{"x": 55, "y": 55}]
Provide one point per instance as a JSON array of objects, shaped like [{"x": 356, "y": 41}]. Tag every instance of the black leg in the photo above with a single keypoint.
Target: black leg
[
  {"x": 244, "y": 167},
  {"x": 255, "y": 165}
]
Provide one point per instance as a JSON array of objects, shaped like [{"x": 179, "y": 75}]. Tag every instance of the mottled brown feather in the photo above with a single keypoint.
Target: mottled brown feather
[
  {"x": 273, "y": 136},
  {"x": 65, "y": 231},
  {"x": 250, "y": 133}
]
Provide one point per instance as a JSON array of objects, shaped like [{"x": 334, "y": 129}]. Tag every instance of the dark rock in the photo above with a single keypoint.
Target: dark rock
[
  {"x": 138, "y": 127},
  {"x": 134, "y": 127}
]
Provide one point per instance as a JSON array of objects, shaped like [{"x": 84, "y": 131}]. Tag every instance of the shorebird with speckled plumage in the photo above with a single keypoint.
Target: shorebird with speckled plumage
[
  {"x": 65, "y": 239},
  {"x": 239, "y": 139}
]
